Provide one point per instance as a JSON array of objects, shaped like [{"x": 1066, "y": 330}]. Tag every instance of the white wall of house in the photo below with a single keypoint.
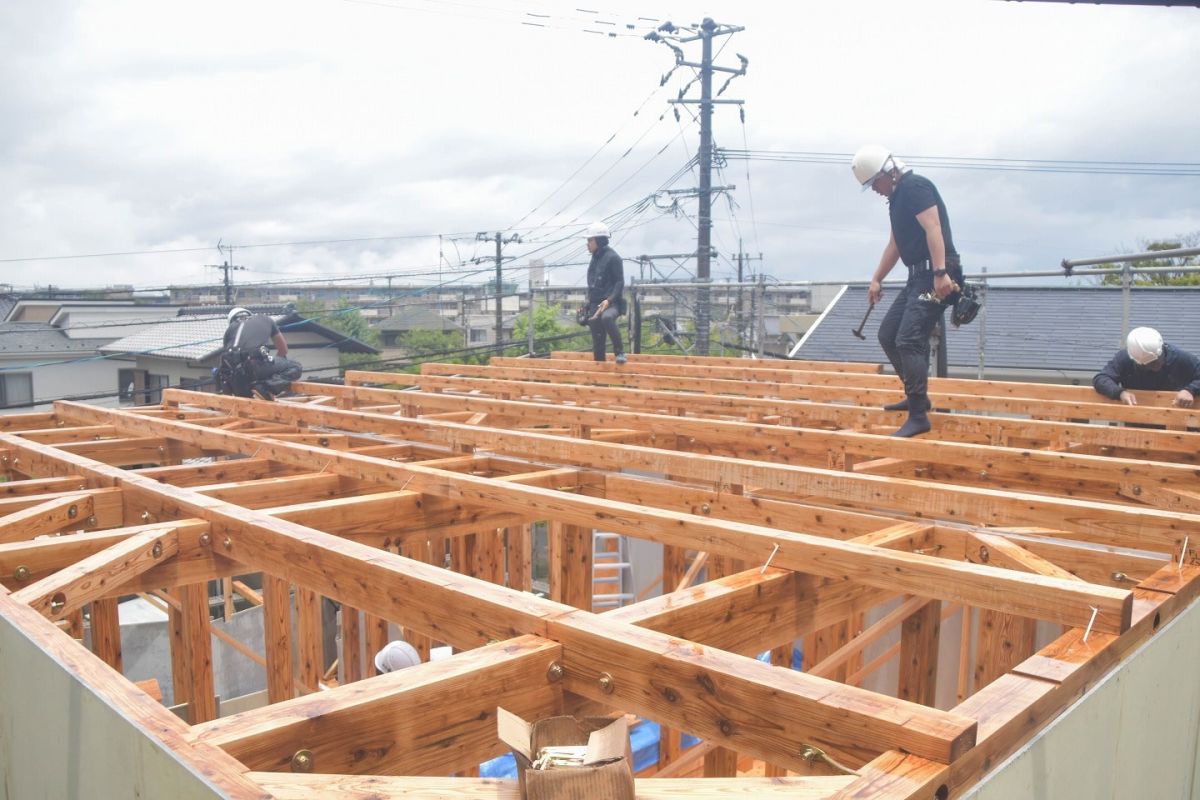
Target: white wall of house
[{"x": 71, "y": 377}]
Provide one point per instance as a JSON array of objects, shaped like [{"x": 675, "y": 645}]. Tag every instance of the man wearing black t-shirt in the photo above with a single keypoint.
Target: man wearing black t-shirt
[
  {"x": 248, "y": 335},
  {"x": 920, "y": 237}
]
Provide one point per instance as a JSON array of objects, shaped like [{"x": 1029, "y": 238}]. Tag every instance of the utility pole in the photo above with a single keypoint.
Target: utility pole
[
  {"x": 707, "y": 31},
  {"x": 741, "y": 320},
  {"x": 500, "y": 242},
  {"x": 226, "y": 268}
]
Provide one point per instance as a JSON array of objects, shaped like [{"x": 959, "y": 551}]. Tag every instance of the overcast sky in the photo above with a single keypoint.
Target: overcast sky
[{"x": 135, "y": 125}]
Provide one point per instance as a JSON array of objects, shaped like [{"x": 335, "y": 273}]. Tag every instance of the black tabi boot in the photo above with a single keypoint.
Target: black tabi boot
[
  {"x": 918, "y": 421},
  {"x": 901, "y": 405}
]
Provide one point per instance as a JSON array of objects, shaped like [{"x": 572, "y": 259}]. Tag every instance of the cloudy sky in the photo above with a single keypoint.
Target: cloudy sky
[{"x": 336, "y": 138}]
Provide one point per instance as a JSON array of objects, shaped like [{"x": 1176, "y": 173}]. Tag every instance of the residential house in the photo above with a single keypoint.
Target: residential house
[{"x": 183, "y": 351}]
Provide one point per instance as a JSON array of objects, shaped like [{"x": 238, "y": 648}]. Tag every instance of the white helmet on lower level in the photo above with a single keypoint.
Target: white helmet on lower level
[
  {"x": 396, "y": 655},
  {"x": 1144, "y": 345},
  {"x": 597, "y": 229},
  {"x": 871, "y": 161},
  {"x": 237, "y": 313}
]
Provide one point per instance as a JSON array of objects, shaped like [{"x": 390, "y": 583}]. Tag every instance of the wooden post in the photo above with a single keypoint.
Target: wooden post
[
  {"x": 376, "y": 635},
  {"x": 674, "y": 561},
  {"x": 1004, "y": 640},
  {"x": 277, "y": 627},
  {"x": 106, "y": 632},
  {"x": 571, "y": 565},
  {"x": 520, "y": 558},
  {"x": 919, "y": 639},
  {"x": 352, "y": 667},
  {"x": 197, "y": 640},
  {"x": 310, "y": 653},
  {"x": 180, "y": 688}
]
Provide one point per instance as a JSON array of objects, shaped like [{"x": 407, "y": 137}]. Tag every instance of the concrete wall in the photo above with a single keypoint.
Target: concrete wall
[
  {"x": 61, "y": 741},
  {"x": 1136, "y": 734}
]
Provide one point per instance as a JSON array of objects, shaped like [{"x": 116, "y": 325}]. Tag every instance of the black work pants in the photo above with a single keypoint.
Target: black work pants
[
  {"x": 602, "y": 326},
  {"x": 278, "y": 372},
  {"x": 904, "y": 332}
]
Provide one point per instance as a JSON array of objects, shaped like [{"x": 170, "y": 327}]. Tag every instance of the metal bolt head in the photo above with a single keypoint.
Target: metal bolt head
[
  {"x": 228, "y": 543},
  {"x": 72, "y": 512},
  {"x": 21, "y": 574},
  {"x": 984, "y": 554},
  {"x": 324, "y": 442},
  {"x": 983, "y": 476},
  {"x": 156, "y": 551},
  {"x": 1137, "y": 490},
  {"x": 302, "y": 761},
  {"x": 554, "y": 673},
  {"x": 726, "y": 727},
  {"x": 92, "y": 521},
  {"x": 58, "y": 602},
  {"x": 704, "y": 509},
  {"x": 146, "y": 516},
  {"x": 1120, "y": 577},
  {"x": 205, "y": 539},
  {"x": 607, "y": 684}
]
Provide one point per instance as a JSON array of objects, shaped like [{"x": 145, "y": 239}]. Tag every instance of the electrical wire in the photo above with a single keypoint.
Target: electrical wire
[{"x": 1163, "y": 168}]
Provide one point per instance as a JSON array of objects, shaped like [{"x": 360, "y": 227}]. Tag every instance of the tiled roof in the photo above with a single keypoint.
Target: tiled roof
[
  {"x": 195, "y": 337},
  {"x": 40, "y": 337},
  {"x": 1053, "y": 328},
  {"x": 417, "y": 318}
]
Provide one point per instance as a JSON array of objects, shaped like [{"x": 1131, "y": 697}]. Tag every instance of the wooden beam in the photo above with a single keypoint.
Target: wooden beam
[
  {"x": 384, "y": 725},
  {"x": 919, "y": 642},
  {"x": 70, "y": 589},
  {"x": 305, "y": 787},
  {"x": 1048, "y": 598},
  {"x": 744, "y": 704},
  {"x": 48, "y": 516}
]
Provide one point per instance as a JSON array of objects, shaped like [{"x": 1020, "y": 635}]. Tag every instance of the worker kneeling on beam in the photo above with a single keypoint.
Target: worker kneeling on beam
[{"x": 1149, "y": 363}]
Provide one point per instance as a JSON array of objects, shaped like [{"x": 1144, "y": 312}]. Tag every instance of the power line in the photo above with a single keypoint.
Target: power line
[{"x": 1161, "y": 168}]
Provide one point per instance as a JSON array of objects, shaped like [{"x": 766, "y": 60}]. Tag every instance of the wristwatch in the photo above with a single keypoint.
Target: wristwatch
[{"x": 937, "y": 273}]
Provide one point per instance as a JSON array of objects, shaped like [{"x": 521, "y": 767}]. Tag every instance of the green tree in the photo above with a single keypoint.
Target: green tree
[
  {"x": 547, "y": 324},
  {"x": 426, "y": 342},
  {"x": 1160, "y": 278},
  {"x": 349, "y": 321}
]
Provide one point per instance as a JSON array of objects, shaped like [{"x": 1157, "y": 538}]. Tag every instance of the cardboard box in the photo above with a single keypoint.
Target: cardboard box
[{"x": 607, "y": 771}]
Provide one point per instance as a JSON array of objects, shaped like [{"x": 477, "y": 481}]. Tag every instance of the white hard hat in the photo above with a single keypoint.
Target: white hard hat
[
  {"x": 597, "y": 229},
  {"x": 234, "y": 313},
  {"x": 871, "y": 161},
  {"x": 396, "y": 655},
  {"x": 1144, "y": 345}
]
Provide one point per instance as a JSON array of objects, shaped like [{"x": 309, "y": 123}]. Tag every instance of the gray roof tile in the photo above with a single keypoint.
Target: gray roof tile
[{"x": 1055, "y": 328}]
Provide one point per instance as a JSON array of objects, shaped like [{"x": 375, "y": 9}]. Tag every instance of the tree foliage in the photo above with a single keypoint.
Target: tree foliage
[
  {"x": 347, "y": 320},
  {"x": 1160, "y": 278}
]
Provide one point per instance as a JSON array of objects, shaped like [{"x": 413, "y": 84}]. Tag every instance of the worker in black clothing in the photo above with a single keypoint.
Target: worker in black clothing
[
  {"x": 1149, "y": 363},
  {"x": 247, "y": 361},
  {"x": 920, "y": 237},
  {"x": 606, "y": 299}
]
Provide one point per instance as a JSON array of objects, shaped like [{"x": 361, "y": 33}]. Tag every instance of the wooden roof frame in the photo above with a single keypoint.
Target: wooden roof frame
[{"x": 777, "y": 472}]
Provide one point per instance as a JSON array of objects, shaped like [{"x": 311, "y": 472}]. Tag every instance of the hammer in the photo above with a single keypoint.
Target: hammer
[{"x": 859, "y": 330}]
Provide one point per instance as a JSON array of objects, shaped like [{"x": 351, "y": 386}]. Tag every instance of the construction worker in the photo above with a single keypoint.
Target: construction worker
[
  {"x": 920, "y": 237},
  {"x": 396, "y": 655},
  {"x": 1147, "y": 362},
  {"x": 246, "y": 366},
  {"x": 606, "y": 299}
]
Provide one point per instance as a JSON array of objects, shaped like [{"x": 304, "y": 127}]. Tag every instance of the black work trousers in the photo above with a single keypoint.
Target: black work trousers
[
  {"x": 904, "y": 332},
  {"x": 603, "y": 326}
]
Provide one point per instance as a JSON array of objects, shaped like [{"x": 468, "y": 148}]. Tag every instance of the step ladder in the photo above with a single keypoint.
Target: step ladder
[{"x": 612, "y": 572}]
